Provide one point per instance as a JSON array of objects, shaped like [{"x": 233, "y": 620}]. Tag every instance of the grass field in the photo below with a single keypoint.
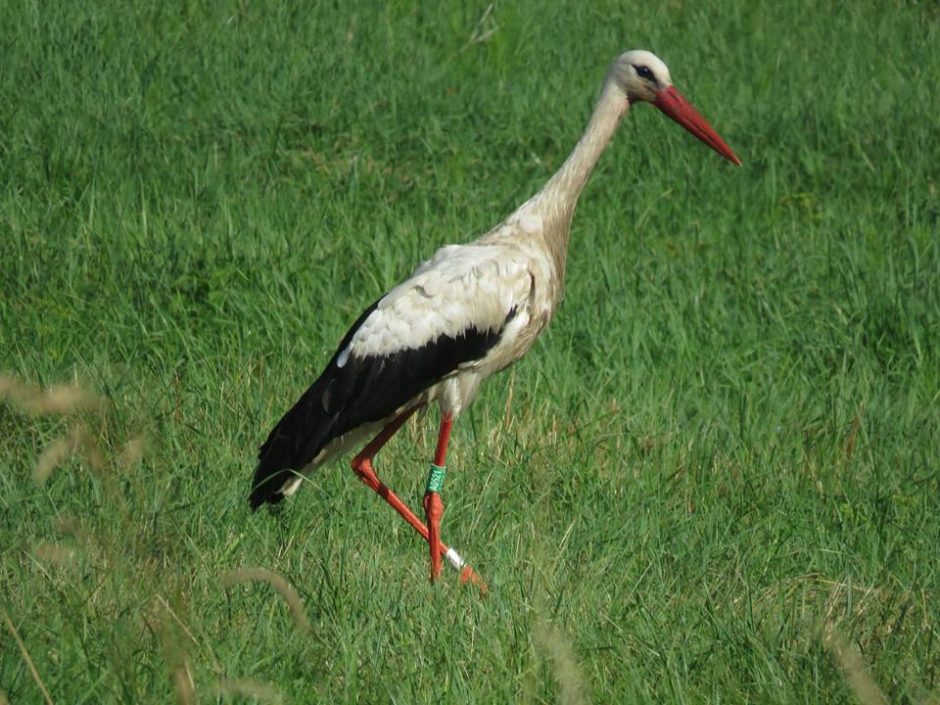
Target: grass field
[{"x": 715, "y": 479}]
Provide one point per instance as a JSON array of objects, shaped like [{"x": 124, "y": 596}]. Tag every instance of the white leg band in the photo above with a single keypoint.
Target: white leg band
[{"x": 454, "y": 558}]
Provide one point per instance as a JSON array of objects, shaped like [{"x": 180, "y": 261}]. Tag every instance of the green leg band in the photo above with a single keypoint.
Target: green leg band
[{"x": 435, "y": 478}]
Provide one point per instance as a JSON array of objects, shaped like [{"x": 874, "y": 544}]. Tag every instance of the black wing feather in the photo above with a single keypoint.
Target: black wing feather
[{"x": 364, "y": 390}]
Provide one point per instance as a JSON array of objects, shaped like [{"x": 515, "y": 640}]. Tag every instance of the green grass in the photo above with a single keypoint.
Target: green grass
[{"x": 726, "y": 447}]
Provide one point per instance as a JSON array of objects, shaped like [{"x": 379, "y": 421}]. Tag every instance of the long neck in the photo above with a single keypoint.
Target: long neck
[
  {"x": 557, "y": 200},
  {"x": 569, "y": 180}
]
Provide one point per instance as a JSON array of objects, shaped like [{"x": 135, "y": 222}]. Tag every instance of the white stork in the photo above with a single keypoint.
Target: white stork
[{"x": 468, "y": 312}]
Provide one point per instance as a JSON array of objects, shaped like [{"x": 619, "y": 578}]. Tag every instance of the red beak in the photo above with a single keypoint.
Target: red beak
[{"x": 675, "y": 105}]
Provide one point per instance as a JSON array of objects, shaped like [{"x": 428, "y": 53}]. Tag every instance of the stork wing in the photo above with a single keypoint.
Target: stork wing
[
  {"x": 463, "y": 291},
  {"x": 450, "y": 313}
]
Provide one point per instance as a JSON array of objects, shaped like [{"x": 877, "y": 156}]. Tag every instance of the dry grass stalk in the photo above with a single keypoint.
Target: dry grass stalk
[
  {"x": 279, "y": 583},
  {"x": 77, "y": 441},
  {"x": 56, "y": 554},
  {"x": 27, "y": 658},
  {"x": 566, "y": 671},
  {"x": 850, "y": 662},
  {"x": 132, "y": 453},
  {"x": 485, "y": 28},
  {"x": 247, "y": 688},
  {"x": 168, "y": 610},
  {"x": 57, "y": 452},
  {"x": 57, "y": 399},
  {"x": 54, "y": 455},
  {"x": 183, "y": 685},
  {"x": 160, "y": 622}
]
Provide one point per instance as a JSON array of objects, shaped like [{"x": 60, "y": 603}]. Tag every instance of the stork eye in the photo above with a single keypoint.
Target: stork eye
[{"x": 644, "y": 72}]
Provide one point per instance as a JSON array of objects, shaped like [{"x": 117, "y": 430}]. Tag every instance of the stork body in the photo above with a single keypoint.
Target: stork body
[{"x": 468, "y": 312}]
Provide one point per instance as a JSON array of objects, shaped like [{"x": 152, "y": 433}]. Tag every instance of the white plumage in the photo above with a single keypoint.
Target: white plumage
[
  {"x": 466, "y": 313},
  {"x": 462, "y": 286}
]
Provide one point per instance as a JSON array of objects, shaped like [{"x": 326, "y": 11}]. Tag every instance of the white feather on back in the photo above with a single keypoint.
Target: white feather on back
[{"x": 462, "y": 286}]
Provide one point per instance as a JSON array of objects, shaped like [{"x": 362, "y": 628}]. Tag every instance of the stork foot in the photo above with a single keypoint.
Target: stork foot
[
  {"x": 366, "y": 473},
  {"x": 433, "y": 506},
  {"x": 468, "y": 575}
]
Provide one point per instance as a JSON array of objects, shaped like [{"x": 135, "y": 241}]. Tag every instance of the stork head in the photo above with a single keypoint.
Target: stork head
[{"x": 643, "y": 77}]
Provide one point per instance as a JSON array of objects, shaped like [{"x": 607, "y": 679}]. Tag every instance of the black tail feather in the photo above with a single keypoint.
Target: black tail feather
[
  {"x": 266, "y": 490},
  {"x": 292, "y": 443},
  {"x": 300, "y": 434}
]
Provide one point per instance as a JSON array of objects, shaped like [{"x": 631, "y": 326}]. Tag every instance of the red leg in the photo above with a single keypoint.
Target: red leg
[
  {"x": 433, "y": 504},
  {"x": 362, "y": 465}
]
